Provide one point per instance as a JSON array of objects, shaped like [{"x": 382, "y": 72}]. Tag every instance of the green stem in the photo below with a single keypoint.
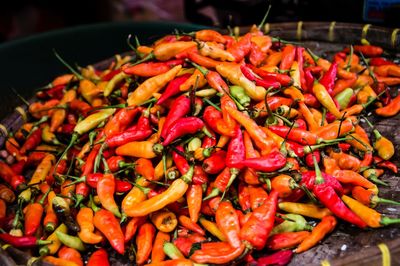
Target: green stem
[
  {"x": 387, "y": 201},
  {"x": 79, "y": 76},
  {"x": 387, "y": 220},
  {"x": 347, "y": 67},
  {"x": 264, "y": 18},
  {"x": 212, "y": 104}
]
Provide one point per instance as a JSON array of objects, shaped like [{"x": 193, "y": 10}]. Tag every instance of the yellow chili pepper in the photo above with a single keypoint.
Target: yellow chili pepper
[
  {"x": 93, "y": 121},
  {"x": 152, "y": 85},
  {"x": 305, "y": 209},
  {"x": 113, "y": 82},
  {"x": 207, "y": 49},
  {"x": 198, "y": 77},
  {"x": 56, "y": 244},
  {"x": 325, "y": 99},
  {"x": 212, "y": 228},
  {"x": 166, "y": 51},
  {"x": 42, "y": 170}
]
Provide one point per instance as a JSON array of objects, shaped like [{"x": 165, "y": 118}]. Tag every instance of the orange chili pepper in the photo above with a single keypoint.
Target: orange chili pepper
[
  {"x": 157, "y": 253},
  {"x": 189, "y": 224},
  {"x": 164, "y": 221},
  {"x": 323, "y": 228},
  {"x": 194, "y": 196},
  {"x": 228, "y": 222},
  {"x": 391, "y": 109},
  {"x": 305, "y": 209},
  {"x": 144, "y": 167},
  {"x": 144, "y": 242},
  {"x": 216, "y": 252},
  {"x": 85, "y": 220},
  {"x": 152, "y": 85},
  {"x": 351, "y": 177},
  {"x": 70, "y": 254},
  {"x": 108, "y": 225}
]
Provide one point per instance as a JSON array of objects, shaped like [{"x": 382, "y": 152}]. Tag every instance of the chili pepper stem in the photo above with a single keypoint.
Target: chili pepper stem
[
  {"x": 387, "y": 201},
  {"x": 214, "y": 193},
  {"x": 378, "y": 181},
  {"x": 74, "y": 138},
  {"x": 79, "y": 76},
  {"x": 262, "y": 23},
  {"x": 387, "y": 220}
]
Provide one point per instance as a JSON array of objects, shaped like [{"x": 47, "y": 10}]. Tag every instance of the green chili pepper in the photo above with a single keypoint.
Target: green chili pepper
[
  {"x": 240, "y": 95},
  {"x": 293, "y": 223},
  {"x": 343, "y": 98},
  {"x": 71, "y": 241}
]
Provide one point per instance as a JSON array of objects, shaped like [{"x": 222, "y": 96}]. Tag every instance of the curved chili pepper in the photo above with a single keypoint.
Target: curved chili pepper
[
  {"x": 327, "y": 195},
  {"x": 266, "y": 83},
  {"x": 105, "y": 191},
  {"x": 32, "y": 141},
  {"x": 370, "y": 216},
  {"x": 33, "y": 215},
  {"x": 85, "y": 220},
  {"x": 23, "y": 241},
  {"x": 187, "y": 223},
  {"x": 216, "y": 252},
  {"x": 181, "y": 127},
  {"x": 214, "y": 119},
  {"x": 236, "y": 151},
  {"x": 174, "y": 192},
  {"x": 179, "y": 108},
  {"x": 326, "y": 226},
  {"x": 241, "y": 48},
  {"x": 272, "y": 162},
  {"x": 286, "y": 240}
]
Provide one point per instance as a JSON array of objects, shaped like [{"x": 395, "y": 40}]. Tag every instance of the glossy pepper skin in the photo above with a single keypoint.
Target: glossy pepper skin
[
  {"x": 106, "y": 223},
  {"x": 256, "y": 230}
]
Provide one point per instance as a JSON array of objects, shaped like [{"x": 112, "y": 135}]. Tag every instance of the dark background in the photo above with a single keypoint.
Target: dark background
[{"x": 22, "y": 18}]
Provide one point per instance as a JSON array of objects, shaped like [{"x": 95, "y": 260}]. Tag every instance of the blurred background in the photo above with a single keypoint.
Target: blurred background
[{"x": 23, "y": 18}]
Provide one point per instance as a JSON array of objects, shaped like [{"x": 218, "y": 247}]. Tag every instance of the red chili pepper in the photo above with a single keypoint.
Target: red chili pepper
[
  {"x": 327, "y": 195},
  {"x": 19, "y": 167},
  {"x": 309, "y": 158},
  {"x": 209, "y": 142},
  {"x": 88, "y": 167},
  {"x": 215, "y": 120},
  {"x": 328, "y": 79},
  {"x": 215, "y": 163},
  {"x": 150, "y": 69},
  {"x": 6, "y": 173},
  {"x": 283, "y": 79},
  {"x": 385, "y": 164},
  {"x": 266, "y": 83},
  {"x": 180, "y": 107},
  {"x": 120, "y": 121},
  {"x": 132, "y": 227},
  {"x": 55, "y": 92},
  {"x": 138, "y": 132},
  {"x": 260, "y": 223},
  {"x": 32, "y": 141},
  {"x": 280, "y": 258},
  {"x": 22, "y": 241},
  {"x": 308, "y": 179},
  {"x": 172, "y": 88},
  {"x": 379, "y": 61},
  {"x": 180, "y": 161},
  {"x": 182, "y": 127},
  {"x": 288, "y": 55},
  {"x": 311, "y": 100},
  {"x": 241, "y": 48},
  {"x": 106, "y": 222},
  {"x": 269, "y": 163},
  {"x": 82, "y": 190},
  {"x": 236, "y": 151},
  {"x": 309, "y": 80},
  {"x": 199, "y": 176},
  {"x": 99, "y": 257},
  {"x": 18, "y": 182},
  {"x": 144, "y": 242},
  {"x": 244, "y": 197},
  {"x": 257, "y": 56},
  {"x": 228, "y": 222}
]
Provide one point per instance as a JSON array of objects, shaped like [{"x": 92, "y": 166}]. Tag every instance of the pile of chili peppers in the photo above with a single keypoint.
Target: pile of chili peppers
[{"x": 203, "y": 148}]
